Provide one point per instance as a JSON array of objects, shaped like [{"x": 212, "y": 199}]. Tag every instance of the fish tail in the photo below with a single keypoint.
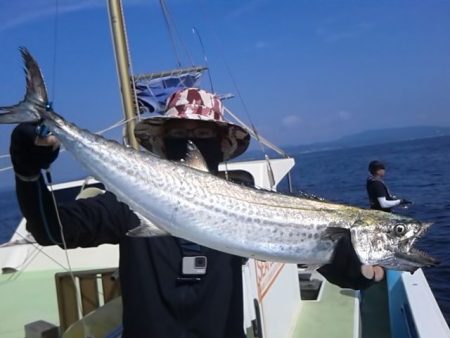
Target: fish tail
[{"x": 32, "y": 107}]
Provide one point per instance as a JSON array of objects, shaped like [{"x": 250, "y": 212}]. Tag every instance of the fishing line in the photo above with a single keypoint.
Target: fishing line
[
  {"x": 72, "y": 276},
  {"x": 50, "y": 184}
]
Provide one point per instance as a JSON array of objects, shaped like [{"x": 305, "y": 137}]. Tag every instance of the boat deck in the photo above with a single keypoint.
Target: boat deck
[
  {"x": 335, "y": 315},
  {"x": 31, "y": 296},
  {"x": 26, "y": 297}
]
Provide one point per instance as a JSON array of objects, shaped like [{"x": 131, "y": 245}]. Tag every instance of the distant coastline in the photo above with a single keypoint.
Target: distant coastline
[{"x": 366, "y": 138}]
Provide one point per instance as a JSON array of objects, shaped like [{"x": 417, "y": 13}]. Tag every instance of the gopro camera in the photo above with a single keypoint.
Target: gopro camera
[{"x": 194, "y": 265}]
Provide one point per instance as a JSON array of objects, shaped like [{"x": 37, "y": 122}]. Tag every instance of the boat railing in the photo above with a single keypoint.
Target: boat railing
[{"x": 92, "y": 289}]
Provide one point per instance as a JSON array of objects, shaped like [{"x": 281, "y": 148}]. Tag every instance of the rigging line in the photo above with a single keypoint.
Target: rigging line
[
  {"x": 5, "y": 156},
  {"x": 30, "y": 257},
  {"x": 14, "y": 276},
  {"x": 55, "y": 42},
  {"x": 169, "y": 29},
  {"x": 115, "y": 125},
  {"x": 174, "y": 31},
  {"x": 256, "y": 134},
  {"x": 6, "y": 168},
  {"x": 196, "y": 32},
  {"x": 100, "y": 132}
]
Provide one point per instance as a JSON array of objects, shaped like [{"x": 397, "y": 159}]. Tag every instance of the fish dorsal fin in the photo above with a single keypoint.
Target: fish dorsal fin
[{"x": 194, "y": 158}]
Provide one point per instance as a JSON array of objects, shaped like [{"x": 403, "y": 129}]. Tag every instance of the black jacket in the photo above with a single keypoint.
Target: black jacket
[
  {"x": 377, "y": 188},
  {"x": 155, "y": 303}
]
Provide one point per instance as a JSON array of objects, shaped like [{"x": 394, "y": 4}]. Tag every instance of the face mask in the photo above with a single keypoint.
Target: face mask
[{"x": 176, "y": 149}]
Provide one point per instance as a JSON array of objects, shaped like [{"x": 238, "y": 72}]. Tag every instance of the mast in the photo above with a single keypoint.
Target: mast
[{"x": 123, "y": 69}]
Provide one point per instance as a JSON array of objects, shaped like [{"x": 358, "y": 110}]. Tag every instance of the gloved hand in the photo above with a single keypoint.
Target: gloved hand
[
  {"x": 27, "y": 157},
  {"x": 405, "y": 202},
  {"x": 347, "y": 271}
]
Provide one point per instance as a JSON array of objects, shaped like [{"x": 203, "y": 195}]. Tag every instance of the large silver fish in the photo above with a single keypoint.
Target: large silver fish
[{"x": 195, "y": 205}]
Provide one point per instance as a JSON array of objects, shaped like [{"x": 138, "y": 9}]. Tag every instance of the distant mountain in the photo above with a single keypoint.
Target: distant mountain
[
  {"x": 368, "y": 137},
  {"x": 375, "y": 136}
]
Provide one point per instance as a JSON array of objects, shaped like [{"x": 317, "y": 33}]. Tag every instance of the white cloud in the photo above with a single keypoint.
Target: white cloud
[
  {"x": 245, "y": 8},
  {"x": 335, "y": 31},
  {"x": 22, "y": 11},
  {"x": 291, "y": 121},
  {"x": 261, "y": 44},
  {"x": 344, "y": 115}
]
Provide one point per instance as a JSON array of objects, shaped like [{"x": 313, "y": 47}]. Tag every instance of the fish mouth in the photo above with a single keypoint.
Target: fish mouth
[{"x": 417, "y": 259}]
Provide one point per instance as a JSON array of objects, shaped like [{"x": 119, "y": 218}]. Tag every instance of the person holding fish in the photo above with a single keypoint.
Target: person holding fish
[{"x": 170, "y": 287}]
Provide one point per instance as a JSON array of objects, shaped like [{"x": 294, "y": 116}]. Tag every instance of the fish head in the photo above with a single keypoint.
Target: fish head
[{"x": 386, "y": 239}]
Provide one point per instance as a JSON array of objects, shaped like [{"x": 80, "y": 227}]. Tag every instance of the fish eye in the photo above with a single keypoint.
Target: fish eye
[{"x": 400, "y": 229}]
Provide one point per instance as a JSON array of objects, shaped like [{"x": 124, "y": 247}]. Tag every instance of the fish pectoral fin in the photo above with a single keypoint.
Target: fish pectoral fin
[
  {"x": 147, "y": 231},
  {"x": 335, "y": 233},
  {"x": 194, "y": 158}
]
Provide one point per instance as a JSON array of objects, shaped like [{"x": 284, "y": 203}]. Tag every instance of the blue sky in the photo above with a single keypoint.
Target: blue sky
[{"x": 307, "y": 70}]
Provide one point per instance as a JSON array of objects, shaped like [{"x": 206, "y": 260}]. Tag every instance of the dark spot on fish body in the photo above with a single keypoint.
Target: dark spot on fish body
[
  {"x": 309, "y": 235},
  {"x": 316, "y": 236}
]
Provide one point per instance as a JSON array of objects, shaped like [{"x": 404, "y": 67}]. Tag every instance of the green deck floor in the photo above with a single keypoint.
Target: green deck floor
[
  {"x": 27, "y": 297},
  {"x": 333, "y": 317},
  {"x": 32, "y": 297}
]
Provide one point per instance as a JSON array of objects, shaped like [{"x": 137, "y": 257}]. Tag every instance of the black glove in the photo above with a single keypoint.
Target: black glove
[
  {"x": 27, "y": 158},
  {"x": 345, "y": 269}
]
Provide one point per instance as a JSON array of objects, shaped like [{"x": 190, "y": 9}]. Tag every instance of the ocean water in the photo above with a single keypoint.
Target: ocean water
[{"x": 417, "y": 170}]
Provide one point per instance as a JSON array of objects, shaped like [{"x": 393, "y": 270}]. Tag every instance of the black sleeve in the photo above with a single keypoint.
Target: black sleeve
[
  {"x": 345, "y": 268},
  {"x": 86, "y": 222}
]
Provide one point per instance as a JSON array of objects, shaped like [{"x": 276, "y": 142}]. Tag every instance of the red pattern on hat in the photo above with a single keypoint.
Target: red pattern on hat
[{"x": 194, "y": 103}]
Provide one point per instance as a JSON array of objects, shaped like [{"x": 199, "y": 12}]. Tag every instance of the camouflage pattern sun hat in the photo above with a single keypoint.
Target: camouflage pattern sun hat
[{"x": 202, "y": 115}]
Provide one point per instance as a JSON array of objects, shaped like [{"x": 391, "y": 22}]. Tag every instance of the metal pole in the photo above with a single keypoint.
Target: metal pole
[{"x": 123, "y": 68}]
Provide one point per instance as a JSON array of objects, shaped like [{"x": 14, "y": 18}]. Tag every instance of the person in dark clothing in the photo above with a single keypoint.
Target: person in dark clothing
[
  {"x": 159, "y": 300},
  {"x": 379, "y": 196}
]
